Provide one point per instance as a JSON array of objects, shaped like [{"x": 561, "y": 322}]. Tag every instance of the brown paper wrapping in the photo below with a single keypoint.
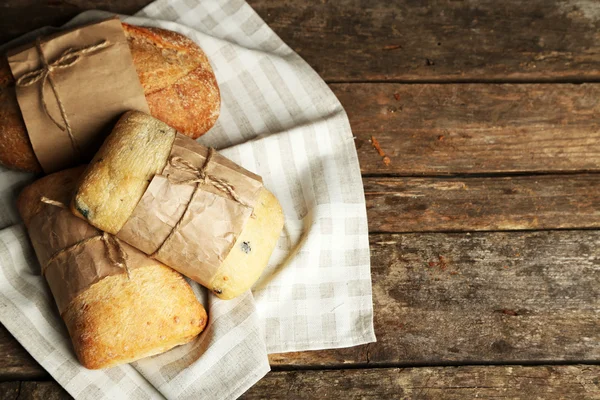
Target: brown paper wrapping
[
  {"x": 95, "y": 91},
  {"x": 72, "y": 272},
  {"x": 210, "y": 226}
]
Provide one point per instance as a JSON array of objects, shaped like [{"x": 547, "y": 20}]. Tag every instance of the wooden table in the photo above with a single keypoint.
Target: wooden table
[{"x": 485, "y": 225}]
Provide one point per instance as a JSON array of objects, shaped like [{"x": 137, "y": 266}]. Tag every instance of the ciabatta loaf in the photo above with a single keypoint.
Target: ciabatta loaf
[
  {"x": 116, "y": 179},
  {"x": 120, "y": 318}
]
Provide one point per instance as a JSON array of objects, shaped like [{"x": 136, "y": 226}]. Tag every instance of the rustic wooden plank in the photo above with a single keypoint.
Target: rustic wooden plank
[
  {"x": 15, "y": 362},
  {"x": 466, "y": 382},
  {"x": 21, "y": 16},
  {"x": 517, "y": 296},
  {"x": 488, "y": 297},
  {"x": 505, "y": 297},
  {"x": 354, "y": 40},
  {"x": 32, "y": 390},
  {"x": 10, "y": 390},
  {"x": 437, "y": 129},
  {"x": 504, "y": 382},
  {"x": 481, "y": 204}
]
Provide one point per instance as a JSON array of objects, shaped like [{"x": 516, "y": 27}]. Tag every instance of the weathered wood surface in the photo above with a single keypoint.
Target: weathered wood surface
[
  {"x": 502, "y": 382},
  {"x": 365, "y": 40},
  {"x": 480, "y": 297},
  {"x": 481, "y": 204},
  {"x": 479, "y": 40},
  {"x": 492, "y": 297},
  {"x": 474, "y": 128},
  {"x": 15, "y": 361},
  {"x": 21, "y": 16},
  {"x": 468, "y": 382},
  {"x": 32, "y": 390}
]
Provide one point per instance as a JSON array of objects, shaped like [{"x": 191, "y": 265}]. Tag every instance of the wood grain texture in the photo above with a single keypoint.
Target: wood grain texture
[
  {"x": 440, "y": 299},
  {"x": 467, "y": 382},
  {"x": 21, "y": 16},
  {"x": 10, "y": 390},
  {"x": 32, "y": 390},
  {"x": 408, "y": 40},
  {"x": 449, "y": 129},
  {"x": 483, "y": 204},
  {"x": 502, "y": 382},
  {"x": 15, "y": 361},
  {"x": 478, "y": 298}
]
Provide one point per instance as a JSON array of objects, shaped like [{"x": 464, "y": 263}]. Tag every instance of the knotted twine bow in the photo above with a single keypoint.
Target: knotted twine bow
[
  {"x": 67, "y": 59},
  {"x": 202, "y": 178},
  {"x": 111, "y": 245}
]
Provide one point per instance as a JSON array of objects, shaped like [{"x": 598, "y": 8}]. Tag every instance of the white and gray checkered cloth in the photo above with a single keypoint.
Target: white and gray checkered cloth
[{"x": 280, "y": 120}]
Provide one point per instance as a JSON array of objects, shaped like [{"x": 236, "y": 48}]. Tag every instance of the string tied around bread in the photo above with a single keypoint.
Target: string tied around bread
[
  {"x": 67, "y": 59},
  {"x": 202, "y": 178},
  {"x": 114, "y": 248}
]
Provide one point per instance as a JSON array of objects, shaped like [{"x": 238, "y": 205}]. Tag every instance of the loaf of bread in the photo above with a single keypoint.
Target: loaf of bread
[
  {"x": 117, "y": 319},
  {"x": 116, "y": 179},
  {"x": 178, "y": 82}
]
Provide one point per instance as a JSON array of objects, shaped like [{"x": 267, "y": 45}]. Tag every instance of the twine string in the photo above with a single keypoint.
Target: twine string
[
  {"x": 202, "y": 176},
  {"x": 67, "y": 59},
  {"x": 112, "y": 245}
]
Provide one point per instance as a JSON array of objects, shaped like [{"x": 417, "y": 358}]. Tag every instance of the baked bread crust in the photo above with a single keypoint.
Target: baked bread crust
[
  {"x": 119, "y": 320},
  {"x": 178, "y": 81}
]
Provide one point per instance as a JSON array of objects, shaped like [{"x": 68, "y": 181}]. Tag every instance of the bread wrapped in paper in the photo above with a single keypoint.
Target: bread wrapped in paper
[
  {"x": 182, "y": 203},
  {"x": 118, "y": 304}
]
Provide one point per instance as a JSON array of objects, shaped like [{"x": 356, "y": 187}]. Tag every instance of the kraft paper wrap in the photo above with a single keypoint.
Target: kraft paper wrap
[
  {"x": 94, "y": 92},
  {"x": 73, "y": 272},
  {"x": 212, "y": 222}
]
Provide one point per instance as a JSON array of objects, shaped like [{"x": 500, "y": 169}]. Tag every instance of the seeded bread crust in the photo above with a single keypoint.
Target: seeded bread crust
[
  {"x": 119, "y": 320},
  {"x": 178, "y": 81},
  {"x": 115, "y": 181}
]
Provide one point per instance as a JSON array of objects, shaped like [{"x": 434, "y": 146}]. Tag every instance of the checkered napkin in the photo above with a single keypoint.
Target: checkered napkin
[{"x": 280, "y": 120}]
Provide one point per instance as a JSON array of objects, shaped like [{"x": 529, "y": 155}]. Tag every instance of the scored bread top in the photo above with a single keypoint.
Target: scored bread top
[
  {"x": 177, "y": 78},
  {"x": 117, "y": 177}
]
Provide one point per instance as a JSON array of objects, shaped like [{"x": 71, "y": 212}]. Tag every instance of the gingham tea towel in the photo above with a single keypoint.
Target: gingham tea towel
[{"x": 280, "y": 120}]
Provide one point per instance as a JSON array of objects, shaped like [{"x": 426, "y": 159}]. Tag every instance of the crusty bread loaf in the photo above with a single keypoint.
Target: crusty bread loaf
[
  {"x": 116, "y": 179},
  {"x": 119, "y": 320},
  {"x": 177, "y": 78}
]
